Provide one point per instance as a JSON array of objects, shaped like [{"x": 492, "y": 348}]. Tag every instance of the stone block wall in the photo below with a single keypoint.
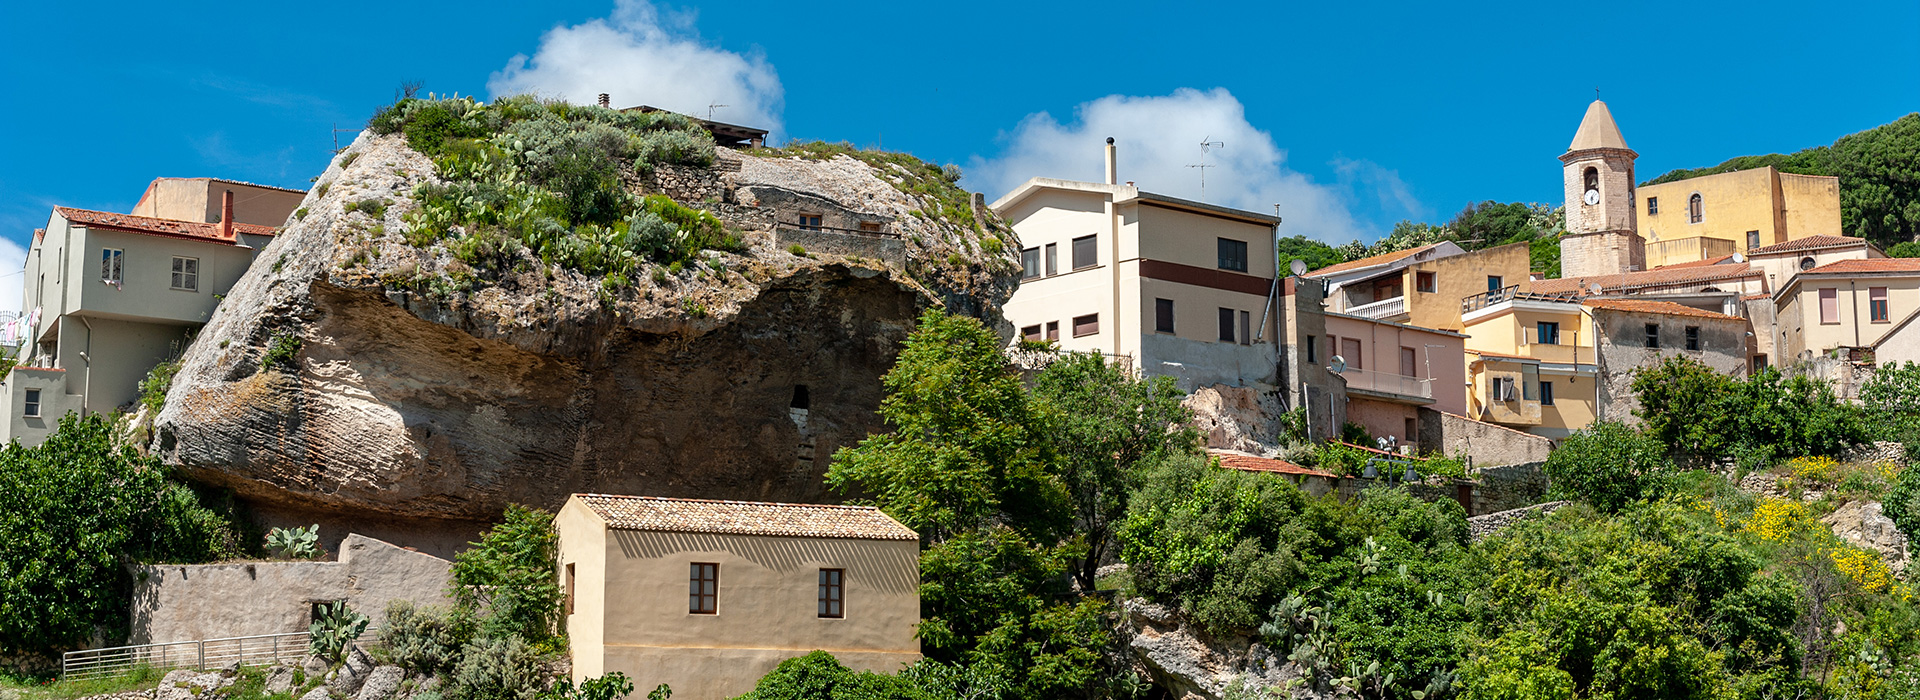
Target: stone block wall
[
  {"x": 887, "y": 248},
  {"x": 1508, "y": 487},
  {"x": 1484, "y": 444}
]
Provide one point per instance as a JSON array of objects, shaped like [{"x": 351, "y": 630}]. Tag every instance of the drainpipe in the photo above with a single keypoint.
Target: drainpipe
[
  {"x": 1113, "y": 257},
  {"x": 86, "y": 385},
  {"x": 1853, "y": 297},
  {"x": 226, "y": 215}
]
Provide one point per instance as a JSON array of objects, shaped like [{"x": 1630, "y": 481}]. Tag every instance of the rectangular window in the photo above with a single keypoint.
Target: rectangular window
[
  {"x": 1426, "y": 282},
  {"x": 1494, "y": 283},
  {"x": 110, "y": 259},
  {"x": 1759, "y": 363},
  {"x": 1086, "y": 325},
  {"x": 1233, "y": 255},
  {"x": 833, "y": 593},
  {"x": 870, "y": 226},
  {"x": 1530, "y": 382},
  {"x": 1029, "y": 263},
  {"x": 1163, "y": 315},
  {"x": 1084, "y": 253},
  {"x": 810, "y": 222},
  {"x": 33, "y": 403},
  {"x": 1653, "y": 205},
  {"x": 1503, "y": 389},
  {"x": 1546, "y": 393},
  {"x": 1653, "y": 335},
  {"x": 1350, "y": 351},
  {"x": 1053, "y": 330},
  {"x": 1226, "y": 325},
  {"x": 1030, "y": 332},
  {"x": 1053, "y": 259},
  {"x": 1313, "y": 349},
  {"x": 569, "y": 589},
  {"x": 1753, "y": 240},
  {"x": 703, "y": 589},
  {"x": 186, "y": 274},
  {"x": 1547, "y": 333},
  {"x": 1693, "y": 337},
  {"x": 1877, "y": 305},
  {"x": 1409, "y": 364},
  {"x": 1246, "y": 328},
  {"x": 1830, "y": 305}
]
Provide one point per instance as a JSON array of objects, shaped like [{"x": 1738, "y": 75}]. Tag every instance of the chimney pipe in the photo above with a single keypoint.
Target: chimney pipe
[
  {"x": 606, "y": 100},
  {"x": 226, "y": 215},
  {"x": 1113, "y": 172}
]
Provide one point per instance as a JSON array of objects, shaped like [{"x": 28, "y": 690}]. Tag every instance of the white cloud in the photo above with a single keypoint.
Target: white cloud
[
  {"x": 1159, "y": 137},
  {"x": 641, "y": 56},
  {"x": 13, "y": 259}
]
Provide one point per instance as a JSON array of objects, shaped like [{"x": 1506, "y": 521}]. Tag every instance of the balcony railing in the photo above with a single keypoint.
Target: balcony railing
[
  {"x": 1389, "y": 383},
  {"x": 1510, "y": 293},
  {"x": 1387, "y": 308}
]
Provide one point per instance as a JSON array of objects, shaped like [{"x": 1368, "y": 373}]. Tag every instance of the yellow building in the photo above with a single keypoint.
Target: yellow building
[
  {"x": 708, "y": 596},
  {"x": 1422, "y": 286},
  {"x": 1530, "y": 361},
  {"x": 1714, "y": 215}
]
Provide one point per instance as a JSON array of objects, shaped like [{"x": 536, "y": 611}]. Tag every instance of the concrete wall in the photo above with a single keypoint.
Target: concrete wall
[
  {"x": 1812, "y": 205},
  {"x": 1194, "y": 364},
  {"x": 175, "y": 603},
  {"x": 886, "y": 248},
  {"x": 147, "y": 269},
  {"x": 199, "y": 199},
  {"x": 1623, "y": 352},
  {"x": 1485, "y": 444},
  {"x": 1674, "y": 251},
  {"x": 766, "y": 610},
  {"x": 54, "y": 403},
  {"x": 1308, "y": 384},
  {"x": 1459, "y": 277}
]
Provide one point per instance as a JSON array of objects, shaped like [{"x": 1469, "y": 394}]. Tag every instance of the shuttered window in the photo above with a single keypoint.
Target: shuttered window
[
  {"x": 1830, "y": 305},
  {"x": 703, "y": 589},
  {"x": 1084, "y": 253},
  {"x": 1086, "y": 325},
  {"x": 1877, "y": 305}
]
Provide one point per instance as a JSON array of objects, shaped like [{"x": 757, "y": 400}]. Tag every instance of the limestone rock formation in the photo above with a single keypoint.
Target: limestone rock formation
[
  {"x": 1237, "y": 417},
  {"x": 1193, "y": 665},
  {"x": 354, "y": 372},
  {"x": 1864, "y": 525}
]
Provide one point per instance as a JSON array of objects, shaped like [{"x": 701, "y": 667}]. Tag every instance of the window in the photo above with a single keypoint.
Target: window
[
  {"x": 1877, "y": 304},
  {"x": 1503, "y": 389},
  {"x": 1226, "y": 325},
  {"x": 110, "y": 259},
  {"x": 1547, "y": 333},
  {"x": 1530, "y": 382},
  {"x": 1409, "y": 364},
  {"x": 1696, "y": 212},
  {"x": 1494, "y": 283},
  {"x": 1759, "y": 363},
  {"x": 1350, "y": 350},
  {"x": 870, "y": 226},
  {"x": 33, "y": 403},
  {"x": 1693, "y": 337},
  {"x": 1592, "y": 178},
  {"x": 1029, "y": 263},
  {"x": 802, "y": 399},
  {"x": 1426, "y": 282},
  {"x": 703, "y": 588},
  {"x": 1653, "y": 205},
  {"x": 569, "y": 590},
  {"x": 1053, "y": 330},
  {"x": 186, "y": 274},
  {"x": 1409, "y": 425},
  {"x": 1830, "y": 305},
  {"x": 1086, "y": 325},
  {"x": 1053, "y": 259},
  {"x": 1246, "y": 328},
  {"x": 1546, "y": 393},
  {"x": 1233, "y": 255},
  {"x": 833, "y": 593},
  {"x": 1030, "y": 332},
  {"x": 1807, "y": 263},
  {"x": 810, "y": 222},
  {"x": 1163, "y": 315},
  {"x": 1083, "y": 253},
  {"x": 1753, "y": 240},
  {"x": 1313, "y": 349},
  {"x": 1653, "y": 335}
]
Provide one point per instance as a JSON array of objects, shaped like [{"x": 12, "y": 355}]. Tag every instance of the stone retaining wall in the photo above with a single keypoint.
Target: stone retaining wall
[
  {"x": 887, "y": 248},
  {"x": 1479, "y": 527}
]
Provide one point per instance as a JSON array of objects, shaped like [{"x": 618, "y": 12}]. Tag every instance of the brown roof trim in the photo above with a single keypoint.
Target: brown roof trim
[
  {"x": 1201, "y": 208},
  {"x": 1203, "y": 277}
]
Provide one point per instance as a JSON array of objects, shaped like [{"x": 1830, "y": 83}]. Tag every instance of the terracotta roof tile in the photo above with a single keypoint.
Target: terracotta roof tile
[
  {"x": 1656, "y": 307},
  {"x": 1657, "y": 277},
  {"x": 1867, "y": 265},
  {"x": 194, "y": 230},
  {"x": 745, "y": 518},
  {"x": 1250, "y": 463},
  {"x": 1808, "y": 243},
  {"x": 1370, "y": 261}
]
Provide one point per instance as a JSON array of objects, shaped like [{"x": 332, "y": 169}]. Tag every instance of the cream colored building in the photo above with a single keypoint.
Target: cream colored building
[
  {"x": 118, "y": 294},
  {"x": 1868, "y": 304},
  {"x": 1781, "y": 261},
  {"x": 1713, "y": 215},
  {"x": 1176, "y": 287},
  {"x": 708, "y": 596},
  {"x": 1530, "y": 362},
  {"x": 201, "y": 199}
]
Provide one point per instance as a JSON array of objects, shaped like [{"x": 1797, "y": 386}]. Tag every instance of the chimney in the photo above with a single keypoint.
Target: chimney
[
  {"x": 226, "y": 215},
  {"x": 606, "y": 100},
  {"x": 1113, "y": 172}
]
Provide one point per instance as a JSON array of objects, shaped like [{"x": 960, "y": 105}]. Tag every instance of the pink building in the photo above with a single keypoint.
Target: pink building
[{"x": 1393, "y": 369}]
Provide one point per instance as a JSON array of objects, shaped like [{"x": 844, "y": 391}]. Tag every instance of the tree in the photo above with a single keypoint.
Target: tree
[
  {"x": 509, "y": 574},
  {"x": 1104, "y": 424},
  {"x": 1314, "y": 253},
  {"x": 1904, "y": 249},
  {"x": 1687, "y": 406},
  {"x": 1493, "y": 223},
  {"x": 1609, "y": 466},
  {"x": 1780, "y": 417},
  {"x": 74, "y": 511}
]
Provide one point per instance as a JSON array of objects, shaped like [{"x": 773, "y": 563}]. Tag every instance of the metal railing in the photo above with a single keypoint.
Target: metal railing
[
  {"x": 251, "y": 650},
  {"x": 877, "y": 233},
  {"x": 1511, "y": 293}
]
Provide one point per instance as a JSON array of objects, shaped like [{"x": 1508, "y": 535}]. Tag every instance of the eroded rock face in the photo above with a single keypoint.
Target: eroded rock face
[
  {"x": 1193, "y": 665},
  {"x": 1237, "y": 417},
  {"x": 1864, "y": 525},
  {"x": 413, "y": 394}
]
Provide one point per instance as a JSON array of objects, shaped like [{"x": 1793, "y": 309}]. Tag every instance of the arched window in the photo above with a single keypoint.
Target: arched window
[
  {"x": 1593, "y": 178},
  {"x": 1695, "y": 212}
]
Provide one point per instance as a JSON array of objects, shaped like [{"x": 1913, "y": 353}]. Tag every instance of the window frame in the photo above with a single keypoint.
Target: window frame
[
  {"x": 114, "y": 259},
  {"x": 1546, "y": 332},
  {"x": 1246, "y": 327},
  {"x": 1030, "y": 264},
  {"x": 703, "y": 603},
  {"x": 1092, "y": 250},
  {"x": 568, "y": 591},
  {"x": 1091, "y": 325},
  {"x": 1031, "y": 333},
  {"x": 1426, "y": 282},
  {"x": 178, "y": 272},
  {"x": 1546, "y": 393},
  {"x": 1052, "y": 259},
  {"x": 1829, "y": 300},
  {"x": 1163, "y": 320},
  {"x": 1879, "y": 308},
  {"x": 1226, "y": 334},
  {"x": 1231, "y": 254},
  {"x": 1696, "y": 208},
  {"x": 811, "y": 222},
  {"x": 1653, "y": 205},
  {"x": 1053, "y": 331},
  {"x": 33, "y": 404},
  {"x": 1313, "y": 349},
  {"x": 1753, "y": 240},
  {"x": 1496, "y": 283},
  {"x": 1691, "y": 339},
  {"x": 1653, "y": 336},
  {"x": 832, "y": 601}
]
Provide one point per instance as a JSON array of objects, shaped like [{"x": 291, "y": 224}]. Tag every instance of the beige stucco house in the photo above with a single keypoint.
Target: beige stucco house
[
  {"x": 708, "y": 596},
  {"x": 1530, "y": 362},
  {"x": 1423, "y": 286},
  {"x": 1865, "y": 304},
  {"x": 1780, "y": 262},
  {"x": 117, "y": 294}
]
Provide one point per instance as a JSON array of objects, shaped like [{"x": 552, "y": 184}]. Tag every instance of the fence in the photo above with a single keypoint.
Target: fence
[{"x": 253, "y": 650}]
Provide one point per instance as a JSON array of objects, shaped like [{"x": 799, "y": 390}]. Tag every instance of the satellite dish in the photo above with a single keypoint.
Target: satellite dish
[
  {"x": 1299, "y": 267},
  {"x": 1738, "y": 258},
  {"x": 1337, "y": 365},
  {"x": 1595, "y": 289}
]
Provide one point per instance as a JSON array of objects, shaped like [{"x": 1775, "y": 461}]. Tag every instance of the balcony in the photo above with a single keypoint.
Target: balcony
[
  {"x": 1394, "y": 309},
  {"x": 1398, "y": 388},
  {"x": 1509, "y": 293}
]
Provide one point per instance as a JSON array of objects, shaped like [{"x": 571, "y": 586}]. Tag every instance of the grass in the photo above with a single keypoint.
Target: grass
[{"x": 49, "y": 688}]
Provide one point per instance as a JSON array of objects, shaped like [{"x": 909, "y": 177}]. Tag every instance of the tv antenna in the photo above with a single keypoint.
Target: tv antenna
[
  {"x": 1206, "y": 145},
  {"x": 712, "y": 107}
]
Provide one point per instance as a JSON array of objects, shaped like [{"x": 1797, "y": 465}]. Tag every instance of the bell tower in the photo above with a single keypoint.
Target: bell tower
[{"x": 1602, "y": 230}]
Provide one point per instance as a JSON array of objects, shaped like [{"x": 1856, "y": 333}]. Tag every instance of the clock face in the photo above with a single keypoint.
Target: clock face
[{"x": 1593, "y": 197}]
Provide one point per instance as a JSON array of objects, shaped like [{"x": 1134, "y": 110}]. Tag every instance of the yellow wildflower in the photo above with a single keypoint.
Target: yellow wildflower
[
  {"x": 1775, "y": 519},
  {"x": 1865, "y": 568}
]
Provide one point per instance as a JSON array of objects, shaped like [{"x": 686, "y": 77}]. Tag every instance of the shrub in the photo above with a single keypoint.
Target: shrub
[
  {"x": 426, "y": 640},
  {"x": 821, "y": 676},
  {"x": 335, "y": 626},
  {"x": 374, "y": 207},
  {"x": 612, "y": 686},
  {"x": 1608, "y": 465},
  {"x": 509, "y": 574},
  {"x": 294, "y": 543},
  {"x": 300, "y": 214},
  {"x": 798, "y": 250},
  {"x": 1904, "y": 249},
  {"x": 153, "y": 389},
  {"x": 282, "y": 353},
  {"x": 499, "y": 669}
]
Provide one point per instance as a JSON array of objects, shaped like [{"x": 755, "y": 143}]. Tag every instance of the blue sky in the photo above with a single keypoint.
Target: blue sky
[{"x": 1351, "y": 116}]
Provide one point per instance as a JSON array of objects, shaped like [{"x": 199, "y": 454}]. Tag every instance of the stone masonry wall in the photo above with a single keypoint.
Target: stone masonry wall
[{"x": 1485, "y": 444}]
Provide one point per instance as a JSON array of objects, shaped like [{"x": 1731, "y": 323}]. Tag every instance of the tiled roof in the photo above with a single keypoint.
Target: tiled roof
[
  {"x": 193, "y": 230},
  {"x": 745, "y": 518},
  {"x": 1697, "y": 263},
  {"x": 1656, "y": 307},
  {"x": 1867, "y": 265},
  {"x": 1370, "y": 261},
  {"x": 1657, "y": 277},
  {"x": 1251, "y": 463},
  {"x": 1808, "y": 243}
]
